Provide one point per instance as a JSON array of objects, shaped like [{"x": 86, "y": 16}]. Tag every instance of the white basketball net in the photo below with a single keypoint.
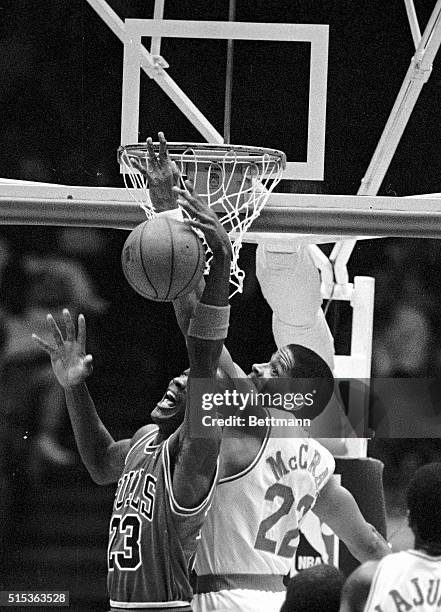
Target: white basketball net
[{"x": 236, "y": 181}]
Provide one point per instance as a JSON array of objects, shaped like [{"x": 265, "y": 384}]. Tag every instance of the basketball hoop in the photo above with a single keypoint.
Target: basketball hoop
[{"x": 235, "y": 180}]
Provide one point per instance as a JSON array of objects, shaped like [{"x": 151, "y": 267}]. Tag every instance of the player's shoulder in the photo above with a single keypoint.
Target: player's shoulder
[
  {"x": 326, "y": 457},
  {"x": 145, "y": 435},
  {"x": 356, "y": 588},
  {"x": 142, "y": 433}
]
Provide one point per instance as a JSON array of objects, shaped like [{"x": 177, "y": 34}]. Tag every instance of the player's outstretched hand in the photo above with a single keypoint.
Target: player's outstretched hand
[
  {"x": 203, "y": 218},
  {"x": 162, "y": 174},
  {"x": 70, "y": 363}
]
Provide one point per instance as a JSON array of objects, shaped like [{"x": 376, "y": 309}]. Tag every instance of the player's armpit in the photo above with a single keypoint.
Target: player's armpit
[
  {"x": 356, "y": 588},
  {"x": 227, "y": 364},
  {"x": 193, "y": 468},
  {"x": 337, "y": 508}
]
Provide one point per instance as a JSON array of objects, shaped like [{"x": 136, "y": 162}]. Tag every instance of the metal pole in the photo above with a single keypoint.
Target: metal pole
[
  {"x": 118, "y": 215},
  {"x": 229, "y": 77},
  {"x": 155, "y": 47},
  {"x": 418, "y": 73},
  {"x": 413, "y": 22}
]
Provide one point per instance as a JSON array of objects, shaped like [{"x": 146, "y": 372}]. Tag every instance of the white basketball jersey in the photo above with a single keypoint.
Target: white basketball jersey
[
  {"x": 253, "y": 524},
  {"x": 406, "y": 581}
]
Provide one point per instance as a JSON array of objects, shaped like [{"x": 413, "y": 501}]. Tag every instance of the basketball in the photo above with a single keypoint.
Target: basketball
[{"x": 163, "y": 259}]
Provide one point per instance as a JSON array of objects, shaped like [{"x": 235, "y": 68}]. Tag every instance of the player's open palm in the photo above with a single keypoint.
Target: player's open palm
[
  {"x": 70, "y": 363},
  {"x": 162, "y": 175}
]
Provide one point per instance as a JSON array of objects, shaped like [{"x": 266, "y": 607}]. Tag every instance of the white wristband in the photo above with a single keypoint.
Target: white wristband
[{"x": 209, "y": 322}]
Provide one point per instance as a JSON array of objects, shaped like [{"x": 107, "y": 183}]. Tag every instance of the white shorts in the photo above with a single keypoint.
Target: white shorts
[{"x": 245, "y": 600}]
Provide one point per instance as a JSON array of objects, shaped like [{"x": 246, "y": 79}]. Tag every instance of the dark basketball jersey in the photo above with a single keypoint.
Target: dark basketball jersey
[{"x": 152, "y": 540}]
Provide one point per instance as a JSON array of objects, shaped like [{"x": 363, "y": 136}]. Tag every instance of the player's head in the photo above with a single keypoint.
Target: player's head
[
  {"x": 295, "y": 361},
  {"x": 292, "y": 361},
  {"x": 169, "y": 412},
  {"x": 315, "y": 589},
  {"x": 424, "y": 503}
]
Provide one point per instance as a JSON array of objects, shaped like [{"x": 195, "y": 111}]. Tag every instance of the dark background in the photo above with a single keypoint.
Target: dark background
[
  {"x": 60, "y": 91},
  {"x": 60, "y": 100}
]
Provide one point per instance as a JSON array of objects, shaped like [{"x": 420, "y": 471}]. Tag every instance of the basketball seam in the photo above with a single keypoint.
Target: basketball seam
[
  {"x": 138, "y": 288},
  {"x": 172, "y": 259},
  {"x": 142, "y": 262},
  {"x": 194, "y": 273}
]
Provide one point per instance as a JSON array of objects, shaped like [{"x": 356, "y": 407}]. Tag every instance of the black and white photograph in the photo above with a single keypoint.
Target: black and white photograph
[{"x": 220, "y": 331}]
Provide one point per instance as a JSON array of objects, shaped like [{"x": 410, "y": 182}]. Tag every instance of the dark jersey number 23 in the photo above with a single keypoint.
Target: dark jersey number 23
[{"x": 129, "y": 528}]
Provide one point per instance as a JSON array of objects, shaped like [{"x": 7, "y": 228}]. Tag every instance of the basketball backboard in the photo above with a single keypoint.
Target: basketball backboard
[{"x": 136, "y": 57}]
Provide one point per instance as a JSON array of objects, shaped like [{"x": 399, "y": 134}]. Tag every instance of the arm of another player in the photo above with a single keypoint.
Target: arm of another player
[
  {"x": 356, "y": 588},
  {"x": 162, "y": 175},
  {"x": 290, "y": 283},
  {"x": 195, "y": 460},
  {"x": 337, "y": 508},
  {"x": 102, "y": 456}
]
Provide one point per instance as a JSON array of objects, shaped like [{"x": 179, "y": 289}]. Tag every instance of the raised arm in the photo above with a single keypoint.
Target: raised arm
[
  {"x": 162, "y": 174},
  {"x": 195, "y": 459},
  {"x": 184, "y": 310},
  {"x": 102, "y": 456},
  {"x": 290, "y": 283},
  {"x": 337, "y": 508}
]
